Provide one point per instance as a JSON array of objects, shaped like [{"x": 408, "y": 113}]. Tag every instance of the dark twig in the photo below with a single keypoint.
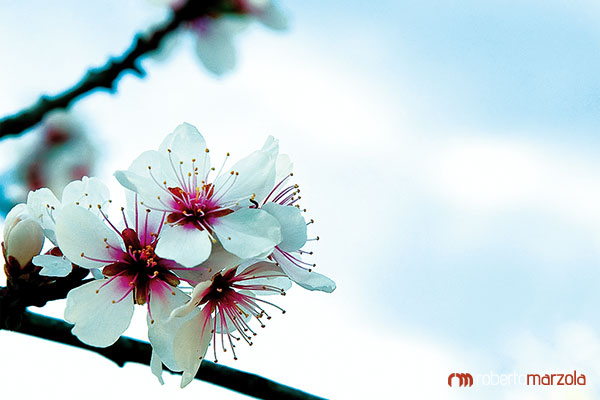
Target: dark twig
[
  {"x": 130, "y": 350},
  {"x": 106, "y": 77}
]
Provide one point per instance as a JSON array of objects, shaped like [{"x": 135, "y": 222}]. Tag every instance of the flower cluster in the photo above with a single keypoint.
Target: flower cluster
[{"x": 196, "y": 245}]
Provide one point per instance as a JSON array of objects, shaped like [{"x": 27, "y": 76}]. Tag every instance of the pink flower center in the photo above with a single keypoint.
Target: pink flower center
[
  {"x": 192, "y": 200},
  {"x": 138, "y": 264},
  {"x": 197, "y": 209},
  {"x": 233, "y": 309},
  {"x": 141, "y": 266}
]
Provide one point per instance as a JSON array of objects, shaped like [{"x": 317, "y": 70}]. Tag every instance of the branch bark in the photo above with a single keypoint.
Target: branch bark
[
  {"x": 105, "y": 77},
  {"x": 130, "y": 350}
]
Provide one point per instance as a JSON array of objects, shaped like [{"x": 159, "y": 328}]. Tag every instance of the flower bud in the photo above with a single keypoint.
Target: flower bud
[{"x": 23, "y": 237}]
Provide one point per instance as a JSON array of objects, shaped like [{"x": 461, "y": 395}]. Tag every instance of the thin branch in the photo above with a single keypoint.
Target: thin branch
[
  {"x": 106, "y": 77},
  {"x": 130, "y": 350}
]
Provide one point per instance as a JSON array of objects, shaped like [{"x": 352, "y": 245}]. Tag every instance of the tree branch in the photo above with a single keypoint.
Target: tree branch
[
  {"x": 130, "y": 350},
  {"x": 105, "y": 77}
]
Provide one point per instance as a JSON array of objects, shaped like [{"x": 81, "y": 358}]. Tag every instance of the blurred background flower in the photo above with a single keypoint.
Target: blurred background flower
[
  {"x": 215, "y": 34},
  {"x": 58, "y": 152}
]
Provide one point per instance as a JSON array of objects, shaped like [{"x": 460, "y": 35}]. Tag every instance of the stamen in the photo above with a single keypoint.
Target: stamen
[
  {"x": 110, "y": 223},
  {"x": 125, "y": 295},
  {"x": 179, "y": 179},
  {"x": 124, "y": 218},
  {"x": 223, "y": 165},
  {"x": 110, "y": 280},
  {"x": 136, "y": 211},
  {"x": 163, "y": 186},
  {"x": 97, "y": 259},
  {"x": 276, "y": 187}
]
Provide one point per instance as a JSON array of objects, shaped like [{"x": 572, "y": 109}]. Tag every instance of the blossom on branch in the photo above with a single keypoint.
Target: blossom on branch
[
  {"x": 45, "y": 208},
  {"x": 133, "y": 274},
  {"x": 220, "y": 311},
  {"x": 215, "y": 33},
  {"x": 204, "y": 206},
  {"x": 197, "y": 246},
  {"x": 281, "y": 203},
  {"x": 23, "y": 237}
]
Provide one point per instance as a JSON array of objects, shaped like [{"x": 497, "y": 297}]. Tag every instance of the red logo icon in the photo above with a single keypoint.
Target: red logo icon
[{"x": 463, "y": 379}]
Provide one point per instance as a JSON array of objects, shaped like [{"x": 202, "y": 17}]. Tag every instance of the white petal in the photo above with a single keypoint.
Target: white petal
[
  {"x": 161, "y": 333},
  {"x": 79, "y": 231},
  {"x": 163, "y": 301},
  {"x": 219, "y": 259},
  {"x": 24, "y": 241},
  {"x": 199, "y": 274},
  {"x": 256, "y": 174},
  {"x": 186, "y": 144},
  {"x": 99, "y": 317},
  {"x": 184, "y": 132},
  {"x": 86, "y": 192},
  {"x": 96, "y": 273},
  {"x": 247, "y": 232},
  {"x": 156, "y": 367},
  {"x": 272, "y": 17},
  {"x": 53, "y": 265},
  {"x": 197, "y": 295},
  {"x": 181, "y": 343},
  {"x": 283, "y": 167},
  {"x": 308, "y": 280},
  {"x": 186, "y": 245},
  {"x": 152, "y": 159},
  {"x": 16, "y": 214},
  {"x": 293, "y": 226},
  {"x": 43, "y": 206},
  {"x": 266, "y": 273},
  {"x": 190, "y": 344},
  {"x": 215, "y": 48},
  {"x": 163, "y": 171},
  {"x": 149, "y": 192},
  {"x": 146, "y": 222},
  {"x": 271, "y": 146}
]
